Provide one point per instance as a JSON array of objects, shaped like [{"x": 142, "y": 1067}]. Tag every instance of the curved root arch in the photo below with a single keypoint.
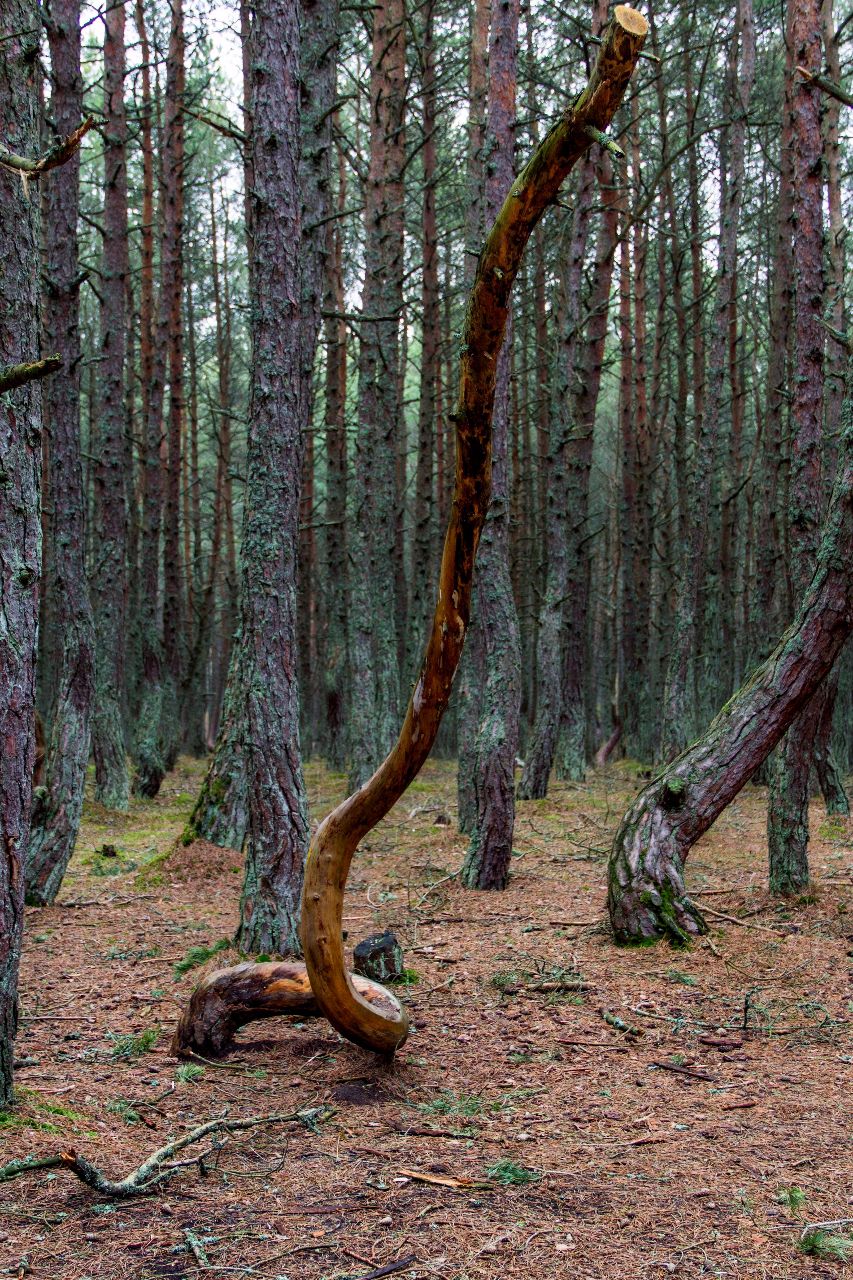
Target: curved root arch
[{"x": 384, "y": 1029}]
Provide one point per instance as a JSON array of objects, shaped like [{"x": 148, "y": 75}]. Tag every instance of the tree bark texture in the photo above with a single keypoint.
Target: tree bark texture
[
  {"x": 277, "y": 836},
  {"x": 20, "y": 474},
  {"x": 109, "y": 574},
  {"x": 57, "y": 808}
]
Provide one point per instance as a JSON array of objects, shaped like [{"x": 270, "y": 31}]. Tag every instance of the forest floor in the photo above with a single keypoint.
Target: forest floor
[{"x": 526, "y": 1129}]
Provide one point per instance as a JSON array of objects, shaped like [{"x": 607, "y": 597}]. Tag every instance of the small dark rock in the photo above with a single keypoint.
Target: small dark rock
[
  {"x": 379, "y": 958},
  {"x": 108, "y": 851}
]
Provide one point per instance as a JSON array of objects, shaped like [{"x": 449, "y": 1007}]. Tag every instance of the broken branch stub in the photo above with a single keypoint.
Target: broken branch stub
[{"x": 335, "y": 842}]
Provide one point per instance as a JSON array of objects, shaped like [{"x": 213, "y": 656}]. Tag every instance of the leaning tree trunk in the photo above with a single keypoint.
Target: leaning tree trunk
[
  {"x": 109, "y": 574},
  {"x": 56, "y": 813},
  {"x": 338, "y": 837},
  {"x": 497, "y": 635},
  {"x": 647, "y": 896},
  {"x": 20, "y": 469},
  {"x": 790, "y": 770},
  {"x": 277, "y": 835}
]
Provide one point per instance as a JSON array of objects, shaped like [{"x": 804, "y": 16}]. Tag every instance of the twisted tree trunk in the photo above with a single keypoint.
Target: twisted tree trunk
[{"x": 336, "y": 840}]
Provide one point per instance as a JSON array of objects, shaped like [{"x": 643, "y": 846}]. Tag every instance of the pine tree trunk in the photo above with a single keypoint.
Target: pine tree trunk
[
  {"x": 680, "y": 713},
  {"x": 335, "y": 539},
  {"x": 20, "y": 469},
  {"x": 277, "y": 837},
  {"x": 496, "y": 743},
  {"x": 471, "y": 675},
  {"x": 559, "y": 510},
  {"x": 423, "y": 549},
  {"x": 172, "y": 326},
  {"x": 647, "y": 896},
  {"x": 373, "y": 656},
  {"x": 109, "y": 577},
  {"x": 147, "y": 745},
  {"x": 56, "y": 811},
  {"x": 788, "y": 802}
]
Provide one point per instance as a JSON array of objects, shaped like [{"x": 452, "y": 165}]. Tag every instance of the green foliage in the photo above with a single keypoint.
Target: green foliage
[
  {"x": 189, "y": 1072},
  {"x": 507, "y": 1173},
  {"x": 818, "y": 1242},
  {"x": 200, "y": 955},
  {"x": 793, "y": 1197},
  {"x": 684, "y": 979},
  {"x": 128, "y": 1047},
  {"x": 124, "y": 1109},
  {"x": 407, "y": 978},
  {"x": 449, "y": 1103}
]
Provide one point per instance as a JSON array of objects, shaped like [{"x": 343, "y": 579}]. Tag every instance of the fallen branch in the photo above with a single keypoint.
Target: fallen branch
[
  {"x": 746, "y": 924},
  {"x": 154, "y": 1171},
  {"x": 682, "y": 1071}
]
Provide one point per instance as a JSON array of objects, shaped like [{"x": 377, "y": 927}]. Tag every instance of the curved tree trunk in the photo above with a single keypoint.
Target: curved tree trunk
[
  {"x": 647, "y": 896},
  {"x": 335, "y": 842},
  {"x": 56, "y": 813},
  {"x": 109, "y": 576},
  {"x": 383, "y": 1030}
]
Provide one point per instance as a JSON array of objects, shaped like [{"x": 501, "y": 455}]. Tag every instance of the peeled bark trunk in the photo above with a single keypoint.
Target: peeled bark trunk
[
  {"x": 647, "y": 895},
  {"x": 109, "y": 577},
  {"x": 339, "y": 835},
  {"x": 56, "y": 813},
  {"x": 20, "y": 468},
  {"x": 277, "y": 836}
]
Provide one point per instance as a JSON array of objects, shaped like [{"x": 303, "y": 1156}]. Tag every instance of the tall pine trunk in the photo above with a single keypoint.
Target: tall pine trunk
[
  {"x": 788, "y": 802},
  {"x": 56, "y": 813},
  {"x": 109, "y": 573},
  {"x": 496, "y": 633},
  {"x": 373, "y": 653},
  {"x": 20, "y": 468},
  {"x": 277, "y": 836}
]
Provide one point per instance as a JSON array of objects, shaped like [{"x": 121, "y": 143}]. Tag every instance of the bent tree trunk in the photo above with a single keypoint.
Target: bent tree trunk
[
  {"x": 385, "y": 1029},
  {"x": 647, "y": 898},
  {"x": 335, "y": 842}
]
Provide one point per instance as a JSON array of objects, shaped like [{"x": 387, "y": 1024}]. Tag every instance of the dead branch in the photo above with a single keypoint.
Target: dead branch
[
  {"x": 827, "y": 86},
  {"x": 18, "y": 375},
  {"x": 57, "y": 155},
  {"x": 159, "y": 1167}
]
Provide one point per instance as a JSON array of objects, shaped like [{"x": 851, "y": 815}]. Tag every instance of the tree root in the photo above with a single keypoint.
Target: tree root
[{"x": 229, "y": 998}]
